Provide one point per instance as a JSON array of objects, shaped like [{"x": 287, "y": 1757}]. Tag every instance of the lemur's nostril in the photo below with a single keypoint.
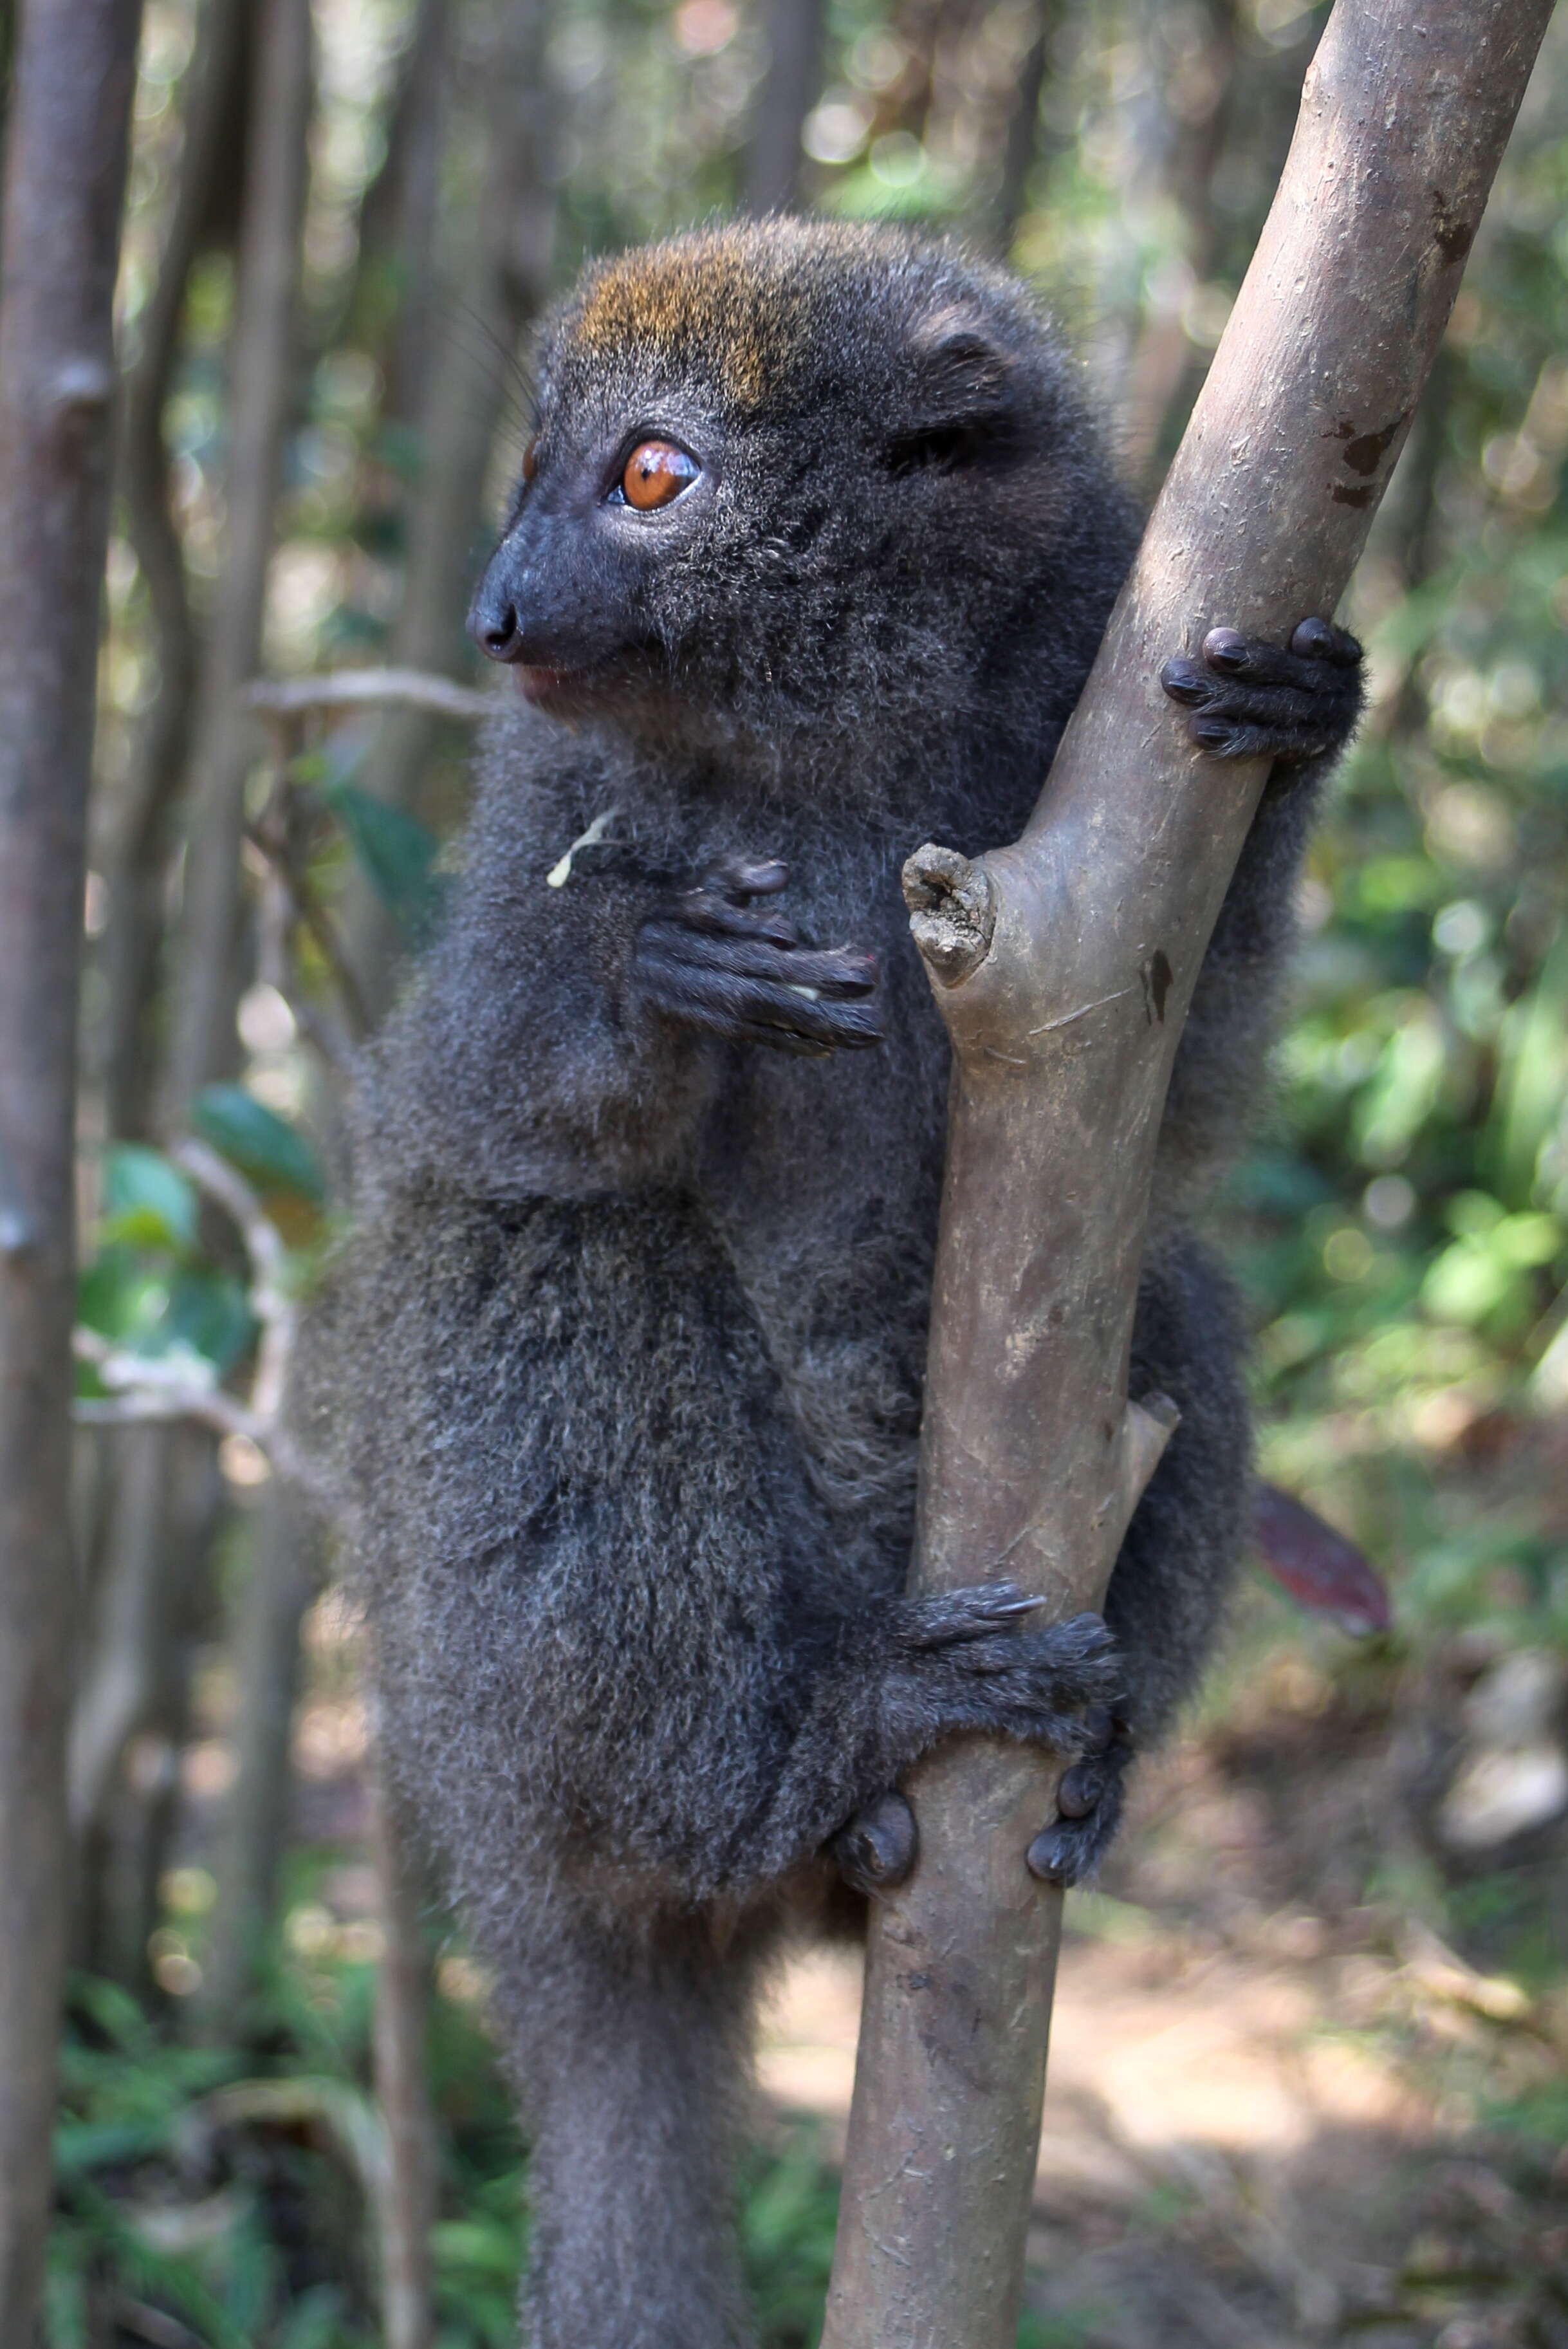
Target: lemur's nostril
[
  {"x": 496, "y": 628},
  {"x": 503, "y": 636}
]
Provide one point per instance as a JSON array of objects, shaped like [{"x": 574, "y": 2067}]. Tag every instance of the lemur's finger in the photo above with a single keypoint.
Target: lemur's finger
[
  {"x": 702, "y": 909},
  {"x": 1321, "y": 640},
  {"x": 1224, "y": 736},
  {"x": 725, "y": 1004},
  {"x": 1314, "y": 647},
  {"x": 746, "y": 877},
  {"x": 836, "y": 971},
  {"x": 956, "y": 1616},
  {"x": 1185, "y": 682}
]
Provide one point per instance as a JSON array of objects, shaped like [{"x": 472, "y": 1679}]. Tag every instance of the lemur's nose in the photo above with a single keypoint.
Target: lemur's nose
[{"x": 494, "y": 625}]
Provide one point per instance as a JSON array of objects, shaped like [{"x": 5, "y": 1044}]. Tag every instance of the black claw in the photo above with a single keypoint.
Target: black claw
[{"x": 1210, "y": 733}]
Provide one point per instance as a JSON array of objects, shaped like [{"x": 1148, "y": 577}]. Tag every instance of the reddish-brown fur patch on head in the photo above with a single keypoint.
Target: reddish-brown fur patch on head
[{"x": 744, "y": 300}]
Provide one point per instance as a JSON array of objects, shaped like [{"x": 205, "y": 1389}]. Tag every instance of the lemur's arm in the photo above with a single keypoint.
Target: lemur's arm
[{"x": 573, "y": 1024}]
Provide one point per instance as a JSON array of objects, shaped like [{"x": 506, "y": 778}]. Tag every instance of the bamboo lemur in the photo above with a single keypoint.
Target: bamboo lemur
[{"x": 812, "y": 553}]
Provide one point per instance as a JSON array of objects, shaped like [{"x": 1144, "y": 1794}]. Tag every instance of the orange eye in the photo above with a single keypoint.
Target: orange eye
[
  {"x": 656, "y": 474},
  {"x": 531, "y": 459}
]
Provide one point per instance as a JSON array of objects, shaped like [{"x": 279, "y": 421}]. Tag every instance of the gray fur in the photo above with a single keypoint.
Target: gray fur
[{"x": 621, "y": 1368}]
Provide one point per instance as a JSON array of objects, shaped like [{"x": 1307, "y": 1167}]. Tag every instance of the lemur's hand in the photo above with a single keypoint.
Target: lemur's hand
[
  {"x": 711, "y": 959},
  {"x": 1251, "y": 700}
]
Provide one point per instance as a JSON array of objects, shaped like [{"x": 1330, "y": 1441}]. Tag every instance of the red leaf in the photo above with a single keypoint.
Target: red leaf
[{"x": 1317, "y": 1564}]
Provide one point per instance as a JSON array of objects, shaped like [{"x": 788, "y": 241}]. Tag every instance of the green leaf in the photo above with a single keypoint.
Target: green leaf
[
  {"x": 209, "y": 1311},
  {"x": 261, "y": 1144},
  {"x": 147, "y": 1200},
  {"x": 397, "y": 853}
]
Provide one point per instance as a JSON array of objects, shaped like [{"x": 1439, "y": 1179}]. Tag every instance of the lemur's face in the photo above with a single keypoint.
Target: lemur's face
[
  {"x": 608, "y": 506},
  {"x": 763, "y": 484}
]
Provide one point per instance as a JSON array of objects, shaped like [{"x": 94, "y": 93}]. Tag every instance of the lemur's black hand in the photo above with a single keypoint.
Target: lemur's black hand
[
  {"x": 712, "y": 959},
  {"x": 1251, "y": 700}
]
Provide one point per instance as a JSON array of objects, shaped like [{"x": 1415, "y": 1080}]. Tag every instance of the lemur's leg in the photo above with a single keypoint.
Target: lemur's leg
[
  {"x": 1170, "y": 1582},
  {"x": 629, "y": 2044},
  {"x": 1182, "y": 1547},
  {"x": 1298, "y": 706}
]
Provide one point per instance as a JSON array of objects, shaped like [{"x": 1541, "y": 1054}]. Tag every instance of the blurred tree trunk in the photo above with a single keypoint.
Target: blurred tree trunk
[
  {"x": 208, "y": 961},
  {"x": 149, "y": 1558},
  {"x": 283, "y": 1577},
  {"x": 471, "y": 378},
  {"x": 141, "y": 843},
  {"x": 408, "y": 2210},
  {"x": 1196, "y": 118},
  {"x": 1056, "y": 1115},
  {"x": 789, "y": 90},
  {"x": 1021, "y": 136},
  {"x": 129, "y": 1722},
  {"x": 64, "y": 186},
  {"x": 401, "y": 218}
]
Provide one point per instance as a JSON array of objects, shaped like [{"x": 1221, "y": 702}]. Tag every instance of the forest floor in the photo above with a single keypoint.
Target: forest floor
[{"x": 1274, "y": 2118}]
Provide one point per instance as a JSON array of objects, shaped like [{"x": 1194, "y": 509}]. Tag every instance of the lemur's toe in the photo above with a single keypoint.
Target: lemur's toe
[
  {"x": 1252, "y": 700},
  {"x": 1089, "y": 1810},
  {"x": 878, "y": 1848}
]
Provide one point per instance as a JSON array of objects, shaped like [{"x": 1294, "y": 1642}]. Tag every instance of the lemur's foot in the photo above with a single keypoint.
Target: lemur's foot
[
  {"x": 1089, "y": 1806},
  {"x": 1251, "y": 700},
  {"x": 712, "y": 959},
  {"x": 970, "y": 1661}
]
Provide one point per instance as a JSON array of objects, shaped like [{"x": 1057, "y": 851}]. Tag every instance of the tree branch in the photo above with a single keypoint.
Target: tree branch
[
  {"x": 363, "y": 688},
  {"x": 1064, "y": 966}
]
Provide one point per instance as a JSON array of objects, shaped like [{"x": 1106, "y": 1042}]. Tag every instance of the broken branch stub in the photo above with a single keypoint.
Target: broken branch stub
[{"x": 1063, "y": 967}]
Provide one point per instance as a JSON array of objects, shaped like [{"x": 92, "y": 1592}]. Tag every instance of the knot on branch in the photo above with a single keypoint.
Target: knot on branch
[{"x": 952, "y": 912}]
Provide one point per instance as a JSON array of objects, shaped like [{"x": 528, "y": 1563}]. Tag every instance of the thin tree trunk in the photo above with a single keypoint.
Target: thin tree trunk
[
  {"x": 209, "y": 963},
  {"x": 1021, "y": 138},
  {"x": 281, "y": 1579},
  {"x": 64, "y": 187},
  {"x": 1064, "y": 966},
  {"x": 401, "y": 214},
  {"x": 469, "y": 384},
  {"x": 785, "y": 96},
  {"x": 140, "y": 848},
  {"x": 1164, "y": 364},
  {"x": 402, "y": 2018}
]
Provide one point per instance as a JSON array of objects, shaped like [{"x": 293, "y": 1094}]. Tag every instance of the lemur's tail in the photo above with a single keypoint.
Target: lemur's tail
[{"x": 631, "y": 2054}]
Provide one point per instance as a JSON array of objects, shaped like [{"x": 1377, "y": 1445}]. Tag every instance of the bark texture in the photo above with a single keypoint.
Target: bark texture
[
  {"x": 64, "y": 186},
  {"x": 1064, "y": 966}
]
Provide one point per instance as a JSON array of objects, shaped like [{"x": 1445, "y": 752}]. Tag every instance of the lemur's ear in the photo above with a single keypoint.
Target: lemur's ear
[{"x": 960, "y": 394}]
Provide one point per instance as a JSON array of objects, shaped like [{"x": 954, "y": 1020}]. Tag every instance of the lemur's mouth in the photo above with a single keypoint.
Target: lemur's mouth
[{"x": 554, "y": 689}]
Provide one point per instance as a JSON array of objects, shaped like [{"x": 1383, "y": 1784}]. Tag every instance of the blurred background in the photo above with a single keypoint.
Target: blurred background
[{"x": 1310, "y": 2073}]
